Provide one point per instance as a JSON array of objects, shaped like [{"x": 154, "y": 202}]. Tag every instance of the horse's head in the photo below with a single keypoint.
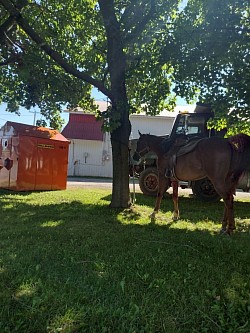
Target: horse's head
[{"x": 142, "y": 147}]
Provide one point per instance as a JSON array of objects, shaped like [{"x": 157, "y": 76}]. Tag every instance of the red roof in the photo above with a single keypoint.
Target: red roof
[
  {"x": 84, "y": 127},
  {"x": 29, "y": 130}
]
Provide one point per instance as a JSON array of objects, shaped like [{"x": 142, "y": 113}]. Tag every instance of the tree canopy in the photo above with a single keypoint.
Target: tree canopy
[
  {"x": 209, "y": 50},
  {"x": 201, "y": 50},
  {"x": 55, "y": 51}
]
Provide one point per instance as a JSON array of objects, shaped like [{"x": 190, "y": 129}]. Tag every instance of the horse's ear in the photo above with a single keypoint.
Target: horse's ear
[{"x": 139, "y": 132}]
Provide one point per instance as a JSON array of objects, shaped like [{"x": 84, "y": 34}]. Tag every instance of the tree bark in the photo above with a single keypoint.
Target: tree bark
[
  {"x": 120, "y": 107},
  {"x": 120, "y": 188}
]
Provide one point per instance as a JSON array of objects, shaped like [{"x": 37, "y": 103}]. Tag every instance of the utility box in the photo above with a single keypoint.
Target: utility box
[{"x": 32, "y": 158}]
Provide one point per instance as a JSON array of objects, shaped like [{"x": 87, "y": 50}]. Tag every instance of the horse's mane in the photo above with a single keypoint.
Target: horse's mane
[
  {"x": 154, "y": 138},
  {"x": 239, "y": 142}
]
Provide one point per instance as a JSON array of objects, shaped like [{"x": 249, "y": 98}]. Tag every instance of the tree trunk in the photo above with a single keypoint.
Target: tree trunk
[
  {"x": 120, "y": 108},
  {"x": 120, "y": 188},
  {"x": 120, "y": 137},
  {"x": 120, "y": 153}
]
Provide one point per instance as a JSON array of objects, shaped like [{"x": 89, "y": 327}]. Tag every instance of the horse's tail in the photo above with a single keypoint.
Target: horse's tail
[
  {"x": 240, "y": 142},
  {"x": 240, "y": 161}
]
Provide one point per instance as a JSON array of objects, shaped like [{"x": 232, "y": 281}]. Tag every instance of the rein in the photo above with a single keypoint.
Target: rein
[{"x": 142, "y": 152}]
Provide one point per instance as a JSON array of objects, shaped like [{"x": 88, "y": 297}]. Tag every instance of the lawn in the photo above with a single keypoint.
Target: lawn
[{"x": 69, "y": 263}]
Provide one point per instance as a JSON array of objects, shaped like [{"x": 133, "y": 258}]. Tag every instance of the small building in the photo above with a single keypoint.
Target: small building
[
  {"x": 32, "y": 158},
  {"x": 90, "y": 148},
  {"x": 90, "y": 152}
]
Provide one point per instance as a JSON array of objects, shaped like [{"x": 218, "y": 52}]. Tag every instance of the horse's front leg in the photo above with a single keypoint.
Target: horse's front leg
[
  {"x": 176, "y": 214},
  {"x": 162, "y": 186},
  {"x": 230, "y": 214},
  {"x": 223, "y": 229}
]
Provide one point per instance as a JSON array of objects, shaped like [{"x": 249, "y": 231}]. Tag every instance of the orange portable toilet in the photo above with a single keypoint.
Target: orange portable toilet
[{"x": 32, "y": 158}]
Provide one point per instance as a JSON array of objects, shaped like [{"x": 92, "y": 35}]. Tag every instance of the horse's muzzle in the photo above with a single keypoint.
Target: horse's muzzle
[{"x": 136, "y": 157}]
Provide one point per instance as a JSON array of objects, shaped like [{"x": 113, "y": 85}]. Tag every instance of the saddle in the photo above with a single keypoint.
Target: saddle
[
  {"x": 188, "y": 147},
  {"x": 179, "y": 150}
]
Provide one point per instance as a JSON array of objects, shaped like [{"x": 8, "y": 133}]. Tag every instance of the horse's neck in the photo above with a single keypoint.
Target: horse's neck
[{"x": 155, "y": 144}]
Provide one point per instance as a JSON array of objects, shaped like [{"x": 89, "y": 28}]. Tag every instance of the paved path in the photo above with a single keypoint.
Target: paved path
[{"x": 84, "y": 182}]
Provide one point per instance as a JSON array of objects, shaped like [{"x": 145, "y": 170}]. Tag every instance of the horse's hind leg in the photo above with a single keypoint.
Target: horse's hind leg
[
  {"x": 226, "y": 192},
  {"x": 228, "y": 222},
  {"x": 230, "y": 203},
  {"x": 176, "y": 214},
  {"x": 230, "y": 214}
]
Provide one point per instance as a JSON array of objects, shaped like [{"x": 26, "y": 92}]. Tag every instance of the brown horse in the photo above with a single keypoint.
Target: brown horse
[{"x": 221, "y": 160}]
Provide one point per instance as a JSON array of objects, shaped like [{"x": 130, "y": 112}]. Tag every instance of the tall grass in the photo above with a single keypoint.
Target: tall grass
[{"x": 69, "y": 263}]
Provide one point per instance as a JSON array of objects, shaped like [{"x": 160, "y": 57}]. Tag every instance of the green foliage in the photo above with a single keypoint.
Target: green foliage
[
  {"x": 75, "y": 30},
  {"x": 202, "y": 51},
  {"x": 111, "y": 120},
  {"x": 209, "y": 50},
  {"x": 69, "y": 263}
]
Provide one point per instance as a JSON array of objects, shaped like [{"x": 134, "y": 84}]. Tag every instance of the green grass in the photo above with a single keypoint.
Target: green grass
[{"x": 69, "y": 263}]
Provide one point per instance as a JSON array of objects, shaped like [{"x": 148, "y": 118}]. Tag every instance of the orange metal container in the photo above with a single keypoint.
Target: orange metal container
[{"x": 32, "y": 158}]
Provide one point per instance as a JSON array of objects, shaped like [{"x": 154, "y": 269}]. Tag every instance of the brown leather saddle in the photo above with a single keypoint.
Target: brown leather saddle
[{"x": 181, "y": 150}]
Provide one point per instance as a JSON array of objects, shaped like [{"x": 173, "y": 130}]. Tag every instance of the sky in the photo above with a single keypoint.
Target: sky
[{"x": 30, "y": 117}]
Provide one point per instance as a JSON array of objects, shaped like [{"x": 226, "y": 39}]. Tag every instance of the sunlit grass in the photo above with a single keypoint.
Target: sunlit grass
[
  {"x": 51, "y": 224},
  {"x": 69, "y": 263},
  {"x": 26, "y": 289}
]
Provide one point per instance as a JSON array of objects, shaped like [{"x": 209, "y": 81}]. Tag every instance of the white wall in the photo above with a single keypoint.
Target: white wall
[
  {"x": 90, "y": 158},
  {"x": 157, "y": 125},
  {"x": 94, "y": 158}
]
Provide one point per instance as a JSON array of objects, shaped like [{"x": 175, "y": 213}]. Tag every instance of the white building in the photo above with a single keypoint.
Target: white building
[{"x": 90, "y": 151}]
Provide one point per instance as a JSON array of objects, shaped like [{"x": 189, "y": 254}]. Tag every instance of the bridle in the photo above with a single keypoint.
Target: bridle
[{"x": 142, "y": 152}]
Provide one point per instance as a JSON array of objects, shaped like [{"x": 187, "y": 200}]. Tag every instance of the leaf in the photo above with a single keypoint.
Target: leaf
[{"x": 122, "y": 284}]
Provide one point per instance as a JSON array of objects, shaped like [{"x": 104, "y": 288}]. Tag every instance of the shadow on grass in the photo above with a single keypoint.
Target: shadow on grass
[
  {"x": 76, "y": 267},
  {"x": 193, "y": 209}
]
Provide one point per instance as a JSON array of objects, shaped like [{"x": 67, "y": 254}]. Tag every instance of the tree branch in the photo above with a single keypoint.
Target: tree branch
[
  {"x": 14, "y": 58},
  {"x": 10, "y": 22},
  {"x": 142, "y": 22},
  {"x": 5, "y": 27},
  {"x": 115, "y": 54},
  {"x": 53, "y": 54}
]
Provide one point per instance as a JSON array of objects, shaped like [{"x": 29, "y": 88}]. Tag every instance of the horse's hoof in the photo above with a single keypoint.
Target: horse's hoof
[
  {"x": 224, "y": 232},
  {"x": 152, "y": 218},
  {"x": 230, "y": 232},
  {"x": 175, "y": 218}
]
